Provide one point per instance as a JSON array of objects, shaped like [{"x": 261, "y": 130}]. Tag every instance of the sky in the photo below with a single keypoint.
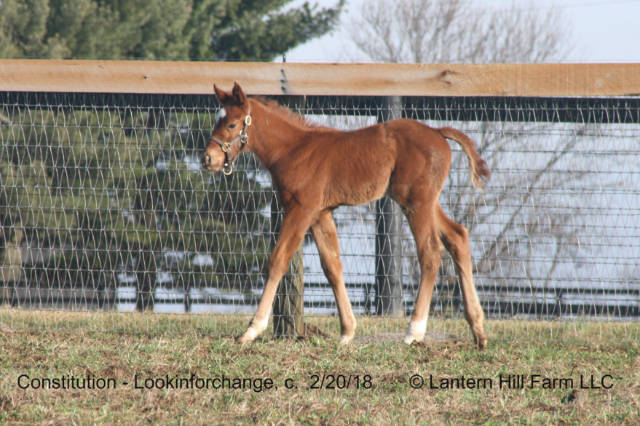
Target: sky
[{"x": 601, "y": 30}]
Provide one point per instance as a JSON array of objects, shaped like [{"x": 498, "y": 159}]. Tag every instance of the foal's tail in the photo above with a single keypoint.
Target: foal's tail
[{"x": 479, "y": 169}]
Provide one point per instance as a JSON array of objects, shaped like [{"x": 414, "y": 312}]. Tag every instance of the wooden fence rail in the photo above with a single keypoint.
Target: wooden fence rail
[{"x": 189, "y": 78}]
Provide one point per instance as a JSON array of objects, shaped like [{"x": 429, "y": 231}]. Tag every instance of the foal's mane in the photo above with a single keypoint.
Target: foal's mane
[{"x": 286, "y": 113}]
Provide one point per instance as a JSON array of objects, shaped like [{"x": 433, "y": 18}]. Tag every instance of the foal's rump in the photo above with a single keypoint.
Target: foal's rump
[{"x": 418, "y": 139}]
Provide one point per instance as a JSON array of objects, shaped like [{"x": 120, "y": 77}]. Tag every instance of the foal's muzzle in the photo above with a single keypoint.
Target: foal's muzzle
[{"x": 210, "y": 163}]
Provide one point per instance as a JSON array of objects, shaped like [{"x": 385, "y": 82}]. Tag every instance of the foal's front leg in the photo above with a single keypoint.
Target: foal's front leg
[{"x": 294, "y": 225}]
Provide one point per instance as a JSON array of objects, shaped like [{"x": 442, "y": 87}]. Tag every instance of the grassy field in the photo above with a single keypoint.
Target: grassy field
[{"x": 156, "y": 368}]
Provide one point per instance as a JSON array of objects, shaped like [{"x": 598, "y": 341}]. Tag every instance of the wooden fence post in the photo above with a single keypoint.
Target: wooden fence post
[
  {"x": 388, "y": 296},
  {"x": 288, "y": 307},
  {"x": 11, "y": 272}
]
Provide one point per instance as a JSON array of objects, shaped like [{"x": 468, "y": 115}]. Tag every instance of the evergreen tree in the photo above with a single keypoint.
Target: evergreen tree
[
  {"x": 100, "y": 203},
  {"x": 105, "y": 193},
  {"x": 159, "y": 29}
]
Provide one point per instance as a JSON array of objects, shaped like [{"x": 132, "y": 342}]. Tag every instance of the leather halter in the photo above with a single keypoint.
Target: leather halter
[{"x": 226, "y": 147}]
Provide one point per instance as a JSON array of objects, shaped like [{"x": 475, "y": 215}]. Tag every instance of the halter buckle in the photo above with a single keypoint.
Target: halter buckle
[{"x": 226, "y": 147}]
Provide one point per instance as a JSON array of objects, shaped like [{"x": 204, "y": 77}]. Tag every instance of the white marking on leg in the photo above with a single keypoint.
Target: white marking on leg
[
  {"x": 416, "y": 331},
  {"x": 345, "y": 340},
  {"x": 347, "y": 334},
  {"x": 254, "y": 330}
]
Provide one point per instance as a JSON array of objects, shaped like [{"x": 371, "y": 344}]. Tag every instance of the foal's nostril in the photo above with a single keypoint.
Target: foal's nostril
[{"x": 206, "y": 160}]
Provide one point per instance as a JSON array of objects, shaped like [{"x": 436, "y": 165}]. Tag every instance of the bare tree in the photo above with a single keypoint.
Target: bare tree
[{"x": 454, "y": 31}]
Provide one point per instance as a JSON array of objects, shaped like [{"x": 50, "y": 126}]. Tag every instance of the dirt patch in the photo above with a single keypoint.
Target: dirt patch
[
  {"x": 435, "y": 336},
  {"x": 430, "y": 337},
  {"x": 312, "y": 330}
]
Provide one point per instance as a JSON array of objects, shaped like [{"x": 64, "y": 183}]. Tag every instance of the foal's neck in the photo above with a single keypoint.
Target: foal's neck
[{"x": 273, "y": 135}]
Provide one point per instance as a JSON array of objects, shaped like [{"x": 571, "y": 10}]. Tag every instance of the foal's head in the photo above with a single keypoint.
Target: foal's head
[{"x": 229, "y": 136}]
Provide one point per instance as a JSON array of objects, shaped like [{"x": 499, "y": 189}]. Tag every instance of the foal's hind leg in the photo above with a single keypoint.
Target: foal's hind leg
[
  {"x": 326, "y": 236},
  {"x": 429, "y": 250},
  {"x": 456, "y": 239}
]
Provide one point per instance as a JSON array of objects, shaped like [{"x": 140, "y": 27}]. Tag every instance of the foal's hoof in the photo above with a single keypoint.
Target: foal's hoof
[
  {"x": 255, "y": 329},
  {"x": 408, "y": 339},
  {"x": 243, "y": 340},
  {"x": 345, "y": 340},
  {"x": 481, "y": 342},
  {"x": 415, "y": 331},
  {"x": 248, "y": 336}
]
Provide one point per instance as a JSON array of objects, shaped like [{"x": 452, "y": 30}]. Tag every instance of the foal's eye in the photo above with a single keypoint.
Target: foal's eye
[{"x": 232, "y": 126}]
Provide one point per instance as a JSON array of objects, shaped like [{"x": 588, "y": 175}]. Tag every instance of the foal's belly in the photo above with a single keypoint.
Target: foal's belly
[{"x": 353, "y": 192}]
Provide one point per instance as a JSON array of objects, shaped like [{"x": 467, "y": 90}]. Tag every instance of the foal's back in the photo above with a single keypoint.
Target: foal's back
[{"x": 357, "y": 166}]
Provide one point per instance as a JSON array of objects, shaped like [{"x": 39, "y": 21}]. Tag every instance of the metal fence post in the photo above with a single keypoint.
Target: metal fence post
[
  {"x": 288, "y": 307},
  {"x": 388, "y": 287}
]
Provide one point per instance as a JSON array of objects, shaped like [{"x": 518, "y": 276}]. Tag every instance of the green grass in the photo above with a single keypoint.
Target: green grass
[{"x": 119, "y": 347}]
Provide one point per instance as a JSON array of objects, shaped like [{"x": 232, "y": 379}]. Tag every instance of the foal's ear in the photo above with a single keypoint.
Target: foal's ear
[
  {"x": 238, "y": 94},
  {"x": 223, "y": 97}
]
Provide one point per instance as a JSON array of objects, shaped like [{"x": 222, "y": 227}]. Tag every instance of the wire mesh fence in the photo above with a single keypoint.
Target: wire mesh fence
[{"x": 104, "y": 206}]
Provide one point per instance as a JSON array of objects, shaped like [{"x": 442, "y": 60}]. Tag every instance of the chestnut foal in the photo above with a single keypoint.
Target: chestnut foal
[{"x": 316, "y": 169}]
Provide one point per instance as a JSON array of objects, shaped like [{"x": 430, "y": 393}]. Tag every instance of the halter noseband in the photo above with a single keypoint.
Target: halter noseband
[{"x": 243, "y": 137}]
